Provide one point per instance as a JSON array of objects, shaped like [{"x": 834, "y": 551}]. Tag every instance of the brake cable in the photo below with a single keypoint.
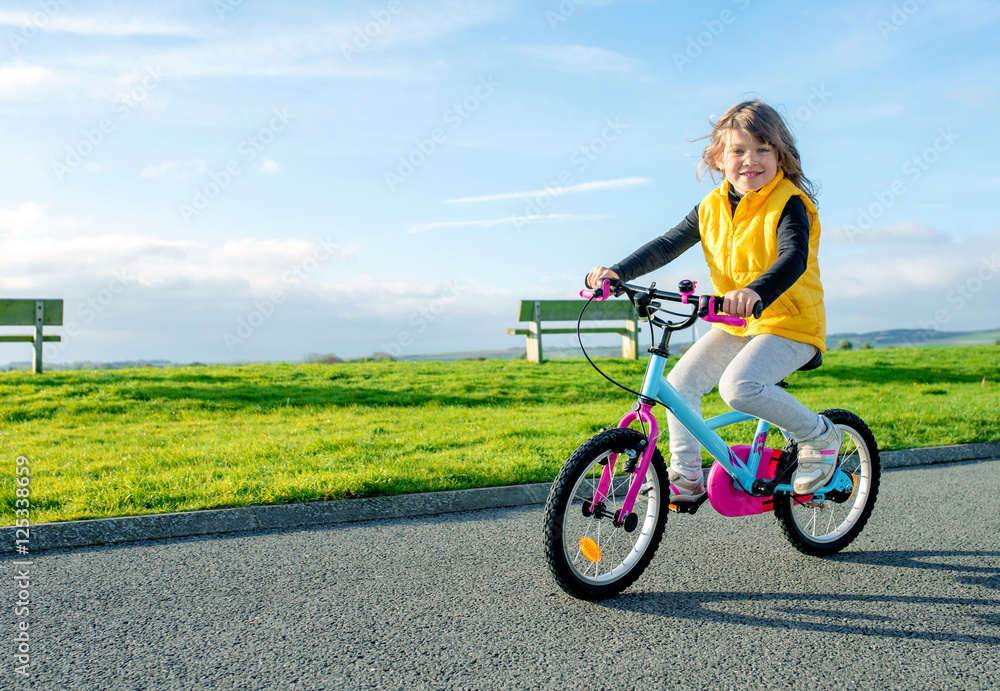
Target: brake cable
[
  {"x": 652, "y": 338},
  {"x": 579, "y": 339}
]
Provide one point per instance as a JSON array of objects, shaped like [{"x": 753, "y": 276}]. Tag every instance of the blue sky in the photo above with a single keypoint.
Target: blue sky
[{"x": 229, "y": 180}]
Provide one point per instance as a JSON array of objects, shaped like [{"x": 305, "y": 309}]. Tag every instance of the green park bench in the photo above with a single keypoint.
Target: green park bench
[
  {"x": 36, "y": 313},
  {"x": 537, "y": 312}
]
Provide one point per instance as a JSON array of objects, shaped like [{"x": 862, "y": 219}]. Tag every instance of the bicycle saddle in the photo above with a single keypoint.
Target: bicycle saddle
[{"x": 816, "y": 361}]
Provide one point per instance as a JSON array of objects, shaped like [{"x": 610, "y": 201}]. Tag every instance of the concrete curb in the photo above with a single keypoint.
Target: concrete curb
[
  {"x": 940, "y": 454},
  {"x": 108, "y": 531}
]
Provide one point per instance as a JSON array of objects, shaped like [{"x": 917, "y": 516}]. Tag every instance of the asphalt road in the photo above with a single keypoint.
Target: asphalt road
[{"x": 464, "y": 601}]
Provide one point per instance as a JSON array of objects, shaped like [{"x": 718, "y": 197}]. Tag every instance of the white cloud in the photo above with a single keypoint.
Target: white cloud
[
  {"x": 177, "y": 170},
  {"x": 595, "y": 186},
  {"x": 316, "y": 52},
  {"x": 30, "y": 218},
  {"x": 516, "y": 221},
  {"x": 26, "y": 217},
  {"x": 95, "y": 25},
  {"x": 58, "y": 264},
  {"x": 986, "y": 97},
  {"x": 580, "y": 59},
  {"x": 18, "y": 75},
  {"x": 417, "y": 23},
  {"x": 268, "y": 166},
  {"x": 41, "y": 253},
  {"x": 166, "y": 168},
  {"x": 128, "y": 296},
  {"x": 904, "y": 286},
  {"x": 409, "y": 295},
  {"x": 882, "y": 275}
]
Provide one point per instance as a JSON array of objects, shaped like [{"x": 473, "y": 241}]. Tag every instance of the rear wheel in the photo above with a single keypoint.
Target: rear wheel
[
  {"x": 828, "y": 526},
  {"x": 591, "y": 553}
]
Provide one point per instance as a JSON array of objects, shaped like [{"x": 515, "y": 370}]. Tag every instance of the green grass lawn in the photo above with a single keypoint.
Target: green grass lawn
[{"x": 124, "y": 442}]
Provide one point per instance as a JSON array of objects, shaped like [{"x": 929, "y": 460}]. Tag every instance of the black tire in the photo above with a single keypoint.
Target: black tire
[
  {"x": 623, "y": 554},
  {"x": 824, "y": 528}
]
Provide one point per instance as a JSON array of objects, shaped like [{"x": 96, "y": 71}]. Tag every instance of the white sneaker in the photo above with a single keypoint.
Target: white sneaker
[
  {"x": 818, "y": 459},
  {"x": 684, "y": 490}
]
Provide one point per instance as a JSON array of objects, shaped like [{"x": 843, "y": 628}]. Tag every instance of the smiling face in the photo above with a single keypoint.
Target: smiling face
[{"x": 748, "y": 163}]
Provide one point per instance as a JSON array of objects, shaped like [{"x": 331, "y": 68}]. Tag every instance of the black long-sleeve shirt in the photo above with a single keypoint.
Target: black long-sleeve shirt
[{"x": 793, "y": 249}]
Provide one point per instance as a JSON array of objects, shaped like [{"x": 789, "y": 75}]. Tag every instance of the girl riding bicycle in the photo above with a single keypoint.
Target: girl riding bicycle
[{"x": 760, "y": 234}]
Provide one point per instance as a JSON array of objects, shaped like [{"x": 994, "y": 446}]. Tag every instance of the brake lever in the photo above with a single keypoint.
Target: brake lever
[
  {"x": 641, "y": 302},
  {"x": 599, "y": 294}
]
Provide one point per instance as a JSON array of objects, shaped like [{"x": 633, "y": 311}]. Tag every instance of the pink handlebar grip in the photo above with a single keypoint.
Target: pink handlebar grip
[
  {"x": 605, "y": 288},
  {"x": 722, "y": 318},
  {"x": 712, "y": 316}
]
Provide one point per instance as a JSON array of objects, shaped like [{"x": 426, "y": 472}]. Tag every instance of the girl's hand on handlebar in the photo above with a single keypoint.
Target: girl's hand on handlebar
[
  {"x": 598, "y": 274},
  {"x": 740, "y": 303}
]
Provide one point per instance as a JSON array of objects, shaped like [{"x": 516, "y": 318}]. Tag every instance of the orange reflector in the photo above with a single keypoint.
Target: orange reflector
[
  {"x": 854, "y": 481},
  {"x": 590, "y": 549}
]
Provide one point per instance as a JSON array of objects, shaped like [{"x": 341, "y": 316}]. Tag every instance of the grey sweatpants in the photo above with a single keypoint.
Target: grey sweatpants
[{"x": 746, "y": 370}]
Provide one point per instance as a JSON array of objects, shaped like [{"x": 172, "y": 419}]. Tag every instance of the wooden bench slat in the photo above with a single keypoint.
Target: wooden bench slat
[
  {"x": 537, "y": 312},
  {"x": 595, "y": 330},
  {"x": 569, "y": 310},
  {"x": 29, "y": 339},
  {"x": 22, "y": 312},
  {"x": 36, "y": 314}
]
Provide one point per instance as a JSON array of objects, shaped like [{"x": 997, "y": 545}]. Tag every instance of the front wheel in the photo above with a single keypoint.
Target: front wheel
[
  {"x": 592, "y": 555},
  {"x": 820, "y": 528}
]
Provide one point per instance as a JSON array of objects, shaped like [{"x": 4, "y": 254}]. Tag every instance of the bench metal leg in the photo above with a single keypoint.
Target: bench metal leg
[
  {"x": 630, "y": 340},
  {"x": 535, "y": 335}
]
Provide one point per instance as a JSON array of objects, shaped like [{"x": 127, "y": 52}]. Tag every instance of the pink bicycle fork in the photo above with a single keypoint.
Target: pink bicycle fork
[
  {"x": 644, "y": 413},
  {"x": 723, "y": 493}
]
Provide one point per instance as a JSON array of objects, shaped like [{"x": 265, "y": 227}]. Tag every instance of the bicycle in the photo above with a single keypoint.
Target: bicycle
[{"x": 607, "y": 510}]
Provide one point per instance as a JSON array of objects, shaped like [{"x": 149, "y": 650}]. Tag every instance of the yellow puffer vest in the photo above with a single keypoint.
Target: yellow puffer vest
[{"x": 739, "y": 248}]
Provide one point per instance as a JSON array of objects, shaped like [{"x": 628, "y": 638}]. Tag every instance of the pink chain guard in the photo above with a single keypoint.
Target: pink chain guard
[{"x": 729, "y": 500}]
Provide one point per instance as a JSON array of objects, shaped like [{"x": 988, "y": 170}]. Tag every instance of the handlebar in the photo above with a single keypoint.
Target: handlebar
[{"x": 708, "y": 306}]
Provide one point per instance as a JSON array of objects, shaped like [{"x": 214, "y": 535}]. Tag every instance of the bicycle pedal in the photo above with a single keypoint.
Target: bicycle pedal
[
  {"x": 684, "y": 507},
  {"x": 687, "y": 506}
]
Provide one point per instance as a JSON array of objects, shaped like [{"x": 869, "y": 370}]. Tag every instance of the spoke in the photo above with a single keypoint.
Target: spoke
[
  {"x": 619, "y": 549},
  {"x": 586, "y": 533},
  {"x": 613, "y": 544},
  {"x": 852, "y": 460}
]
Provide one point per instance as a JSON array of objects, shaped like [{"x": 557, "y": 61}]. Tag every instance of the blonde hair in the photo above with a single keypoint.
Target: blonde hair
[{"x": 764, "y": 123}]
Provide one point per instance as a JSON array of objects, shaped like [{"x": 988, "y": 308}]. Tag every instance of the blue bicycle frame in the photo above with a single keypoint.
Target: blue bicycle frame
[{"x": 656, "y": 388}]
